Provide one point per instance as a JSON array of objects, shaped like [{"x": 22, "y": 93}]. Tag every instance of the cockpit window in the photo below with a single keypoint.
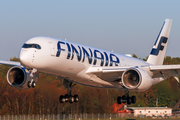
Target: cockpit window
[{"x": 31, "y": 46}]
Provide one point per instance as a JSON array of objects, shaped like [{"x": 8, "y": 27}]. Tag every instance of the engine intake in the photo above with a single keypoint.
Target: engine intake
[
  {"x": 16, "y": 76},
  {"x": 136, "y": 79},
  {"x": 131, "y": 79},
  {"x": 19, "y": 77}
]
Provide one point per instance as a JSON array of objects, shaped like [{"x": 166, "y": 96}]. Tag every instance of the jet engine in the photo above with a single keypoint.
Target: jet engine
[
  {"x": 21, "y": 77},
  {"x": 136, "y": 79}
]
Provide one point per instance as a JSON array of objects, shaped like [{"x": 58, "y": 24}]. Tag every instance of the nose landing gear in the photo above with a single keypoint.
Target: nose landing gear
[
  {"x": 126, "y": 99},
  {"x": 31, "y": 84},
  {"x": 33, "y": 75}
]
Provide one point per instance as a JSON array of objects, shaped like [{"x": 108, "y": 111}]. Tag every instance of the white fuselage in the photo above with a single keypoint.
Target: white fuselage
[{"x": 71, "y": 60}]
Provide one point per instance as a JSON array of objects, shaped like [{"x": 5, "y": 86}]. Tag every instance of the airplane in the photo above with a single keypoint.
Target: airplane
[{"x": 75, "y": 64}]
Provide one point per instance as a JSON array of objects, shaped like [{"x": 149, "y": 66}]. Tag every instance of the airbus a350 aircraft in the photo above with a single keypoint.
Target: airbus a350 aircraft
[{"x": 79, "y": 64}]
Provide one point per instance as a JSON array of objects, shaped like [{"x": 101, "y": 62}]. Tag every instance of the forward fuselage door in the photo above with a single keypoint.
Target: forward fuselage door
[{"x": 52, "y": 49}]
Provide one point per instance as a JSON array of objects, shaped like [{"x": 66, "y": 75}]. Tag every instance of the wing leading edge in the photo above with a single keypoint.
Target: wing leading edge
[{"x": 10, "y": 63}]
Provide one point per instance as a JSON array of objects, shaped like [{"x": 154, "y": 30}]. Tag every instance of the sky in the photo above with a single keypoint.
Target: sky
[{"x": 124, "y": 26}]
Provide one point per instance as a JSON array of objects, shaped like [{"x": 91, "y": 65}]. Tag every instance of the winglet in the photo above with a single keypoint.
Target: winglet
[
  {"x": 177, "y": 79},
  {"x": 158, "y": 51}
]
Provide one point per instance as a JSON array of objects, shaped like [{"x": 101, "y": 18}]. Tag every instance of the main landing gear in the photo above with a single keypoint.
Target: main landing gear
[
  {"x": 68, "y": 97},
  {"x": 126, "y": 99}
]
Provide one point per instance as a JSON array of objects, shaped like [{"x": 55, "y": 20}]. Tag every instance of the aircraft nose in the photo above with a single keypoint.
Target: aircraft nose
[{"x": 23, "y": 58}]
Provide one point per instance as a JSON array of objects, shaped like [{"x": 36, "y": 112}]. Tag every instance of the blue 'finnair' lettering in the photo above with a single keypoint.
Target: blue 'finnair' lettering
[
  {"x": 96, "y": 56},
  {"x": 79, "y": 54},
  {"x": 107, "y": 60},
  {"x": 59, "y": 48},
  {"x": 92, "y": 55},
  {"x": 113, "y": 59},
  {"x": 89, "y": 56},
  {"x": 69, "y": 50}
]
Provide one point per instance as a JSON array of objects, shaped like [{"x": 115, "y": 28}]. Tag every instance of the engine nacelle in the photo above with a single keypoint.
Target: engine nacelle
[
  {"x": 19, "y": 77},
  {"x": 136, "y": 79}
]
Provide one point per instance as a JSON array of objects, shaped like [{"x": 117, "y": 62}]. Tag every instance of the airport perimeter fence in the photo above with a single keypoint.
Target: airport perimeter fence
[{"x": 79, "y": 117}]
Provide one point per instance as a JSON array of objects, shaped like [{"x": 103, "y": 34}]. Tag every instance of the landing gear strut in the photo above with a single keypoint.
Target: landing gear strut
[
  {"x": 126, "y": 98},
  {"x": 33, "y": 77},
  {"x": 68, "y": 97}
]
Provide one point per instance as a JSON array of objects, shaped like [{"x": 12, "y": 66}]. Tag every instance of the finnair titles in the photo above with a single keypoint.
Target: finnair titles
[{"x": 92, "y": 54}]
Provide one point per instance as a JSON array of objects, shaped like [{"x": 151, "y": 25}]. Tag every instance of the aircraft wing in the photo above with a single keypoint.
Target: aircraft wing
[
  {"x": 113, "y": 73},
  {"x": 166, "y": 70},
  {"x": 107, "y": 73},
  {"x": 165, "y": 67},
  {"x": 95, "y": 69},
  {"x": 10, "y": 63}
]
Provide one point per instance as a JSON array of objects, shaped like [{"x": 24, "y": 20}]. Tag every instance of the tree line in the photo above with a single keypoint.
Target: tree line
[{"x": 44, "y": 98}]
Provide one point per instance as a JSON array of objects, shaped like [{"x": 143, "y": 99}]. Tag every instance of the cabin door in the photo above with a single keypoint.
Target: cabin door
[{"x": 52, "y": 49}]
